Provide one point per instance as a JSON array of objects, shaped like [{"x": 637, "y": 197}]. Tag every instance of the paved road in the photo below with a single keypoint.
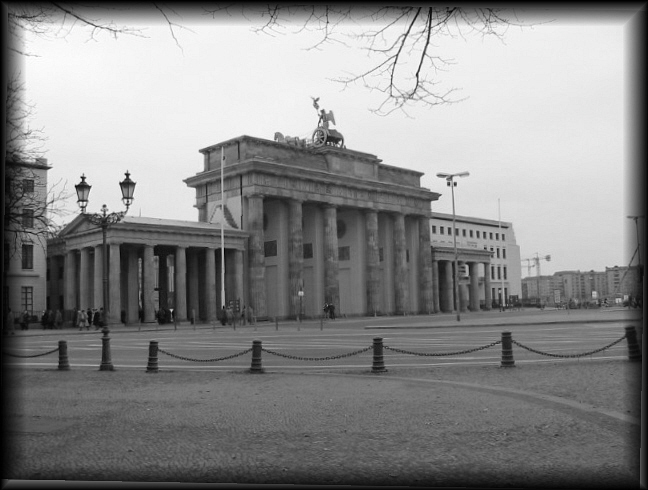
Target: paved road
[
  {"x": 553, "y": 332},
  {"x": 547, "y": 422}
]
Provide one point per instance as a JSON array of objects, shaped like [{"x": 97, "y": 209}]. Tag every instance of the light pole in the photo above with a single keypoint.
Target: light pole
[
  {"x": 452, "y": 184},
  {"x": 300, "y": 293},
  {"x": 104, "y": 220},
  {"x": 636, "y": 220}
]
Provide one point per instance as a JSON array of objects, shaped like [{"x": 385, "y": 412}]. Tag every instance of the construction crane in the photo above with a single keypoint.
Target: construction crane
[{"x": 536, "y": 263}]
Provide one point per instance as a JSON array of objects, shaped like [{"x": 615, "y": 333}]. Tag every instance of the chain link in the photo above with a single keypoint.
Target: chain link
[
  {"x": 216, "y": 359},
  {"x": 327, "y": 358},
  {"x": 34, "y": 355},
  {"x": 568, "y": 355},
  {"x": 467, "y": 351}
]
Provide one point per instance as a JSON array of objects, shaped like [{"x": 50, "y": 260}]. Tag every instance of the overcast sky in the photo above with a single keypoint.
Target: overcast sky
[{"x": 544, "y": 128}]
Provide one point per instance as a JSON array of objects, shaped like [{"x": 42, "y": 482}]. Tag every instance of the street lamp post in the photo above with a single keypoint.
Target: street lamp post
[
  {"x": 636, "y": 219},
  {"x": 300, "y": 293},
  {"x": 104, "y": 219},
  {"x": 452, "y": 184}
]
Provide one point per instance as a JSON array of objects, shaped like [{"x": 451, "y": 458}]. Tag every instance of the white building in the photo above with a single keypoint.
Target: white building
[
  {"x": 494, "y": 236},
  {"x": 25, "y": 241}
]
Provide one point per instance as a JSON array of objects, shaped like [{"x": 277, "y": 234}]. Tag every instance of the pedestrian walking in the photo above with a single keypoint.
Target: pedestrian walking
[
  {"x": 332, "y": 311},
  {"x": 24, "y": 320},
  {"x": 82, "y": 320},
  {"x": 10, "y": 322},
  {"x": 58, "y": 319}
]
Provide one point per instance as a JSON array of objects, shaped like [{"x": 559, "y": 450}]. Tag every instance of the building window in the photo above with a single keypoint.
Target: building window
[
  {"x": 27, "y": 256},
  {"x": 434, "y": 229},
  {"x": 308, "y": 250},
  {"x": 270, "y": 248},
  {"x": 344, "y": 253},
  {"x": 28, "y": 218},
  {"x": 341, "y": 228},
  {"x": 28, "y": 185},
  {"x": 456, "y": 231},
  {"x": 490, "y": 235},
  {"x": 471, "y": 233},
  {"x": 477, "y": 233},
  {"x": 380, "y": 254},
  {"x": 498, "y": 255},
  {"x": 27, "y": 299},
  {"x": 503, "y": 253},
  {"x": 504, "y": 272},
  {"x": 496, "y": 236},
  {"x": 499, "y": 272},
  {"x": 463, "y": 232},
  {"x": 503, "y": 239},
  {"x": 492, "y": 272},
  {"x": 440, "y": 230}
]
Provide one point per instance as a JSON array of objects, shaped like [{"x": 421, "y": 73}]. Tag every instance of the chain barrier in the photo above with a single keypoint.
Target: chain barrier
[
  {"x": 327, "y": 358},
  {"x": 567, "y": 355},
  {"x": 34, "y": 355},
  {"x": 467, "y": 351},
  {"x": 216, "y": 359}
]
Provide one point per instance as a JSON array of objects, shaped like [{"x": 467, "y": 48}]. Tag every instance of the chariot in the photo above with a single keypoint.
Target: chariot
[{"x": 327, "y": 136}]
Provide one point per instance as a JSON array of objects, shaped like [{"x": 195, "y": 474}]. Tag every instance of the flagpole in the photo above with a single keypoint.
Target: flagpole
[
  {"x": 222, "y": 229},
  {"x": 499, "y": 226}
]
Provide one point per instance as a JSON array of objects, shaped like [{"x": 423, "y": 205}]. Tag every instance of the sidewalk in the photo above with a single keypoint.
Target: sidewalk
[{"x": 437, "y": 320}]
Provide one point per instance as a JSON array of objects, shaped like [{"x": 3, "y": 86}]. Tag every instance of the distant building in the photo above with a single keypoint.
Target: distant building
[
  {"x": 579, "y": 287},
  {"x": 25, "y": 240},
  {"x": 497, "y": 238}
]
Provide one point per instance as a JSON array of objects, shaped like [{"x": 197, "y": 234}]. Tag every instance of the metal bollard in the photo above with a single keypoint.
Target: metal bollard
[
  {"x": 378, "y": 360},
  {"x": 507, "y": 350},
  {"x": 64, "y": 364},
  {"x": 106, "y": 362},
  {"x": 634, "y": 350},
  {"x": 256, "y": 357},
  {"x": 152, "y": 366}
]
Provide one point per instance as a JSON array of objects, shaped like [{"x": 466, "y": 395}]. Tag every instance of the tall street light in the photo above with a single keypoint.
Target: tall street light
[
  {"x": 636, "y": 219},
  {"x": 104, "y": 219},
  {"x": 452, "y": 184}
]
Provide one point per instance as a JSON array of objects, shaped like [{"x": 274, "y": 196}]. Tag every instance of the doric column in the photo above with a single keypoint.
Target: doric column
[
  {"x": 426, "y": 295},
  {"x": 401, "y": 290},
  {"x": 295, "y": 255},
  {"x": 256, "y": 255},
  {"x": 435, "y": 286},
  {"x": 488, "y": 299},
  {"x": 463, "y": 292},
  {"x": 180, "y": 311},
  {"x": 331, "y": 266},
  {"x": 448, "y": 287},
  {"x": 148, "y": 287},
  {"x": 70, "y": 280},
  {"x": 97, "y": 278},
  {"x": 132, "y": 288},
  {"x": 114, "y": 284},
  {"x": 85, "y": 293},
  {"x": 210, "y": 284},
  {"x": 238, "y": 276},
  {"x": 163, "y": 280},
  {"x": 373, "y": 263},
  {"x": 473, "y": 270},
  {"x": 192, "y": 286}
]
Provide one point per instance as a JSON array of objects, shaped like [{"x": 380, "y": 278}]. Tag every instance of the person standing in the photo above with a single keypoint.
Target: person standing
[
  {"x": 58, "y": 319},
  {"x": 10, "y": 323},
  {"x": 24, "y": 320}
]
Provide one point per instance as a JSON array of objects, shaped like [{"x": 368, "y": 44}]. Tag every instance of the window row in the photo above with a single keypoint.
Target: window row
[{"x": 469, "y": 233}]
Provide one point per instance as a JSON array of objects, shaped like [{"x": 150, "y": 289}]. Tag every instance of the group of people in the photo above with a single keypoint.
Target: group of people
[
  {"x": 329, "y": 311},
  {"x": 229, "y": 315},
  {"x": 87, "y": 318},
  {"x": 50, "y": 319}
]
